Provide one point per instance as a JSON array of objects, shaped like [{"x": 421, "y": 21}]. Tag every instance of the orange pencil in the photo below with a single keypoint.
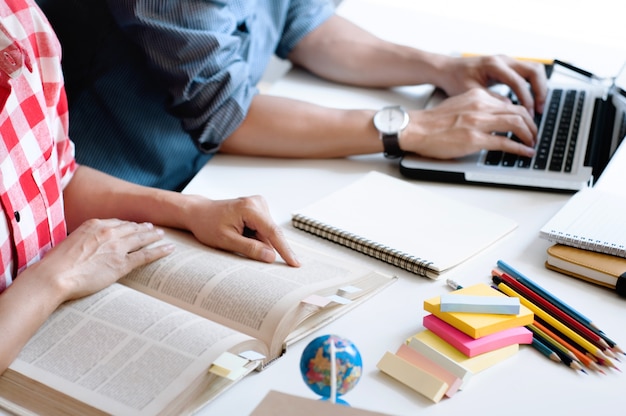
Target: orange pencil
[
  {"x": 573, "y": 335},
  {"x": 586, "y": 360}
]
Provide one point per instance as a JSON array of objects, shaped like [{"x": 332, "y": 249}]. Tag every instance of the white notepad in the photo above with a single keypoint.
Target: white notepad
[
  {"x": 403, "y": 224},
  {"x": 592, "y": 219}
]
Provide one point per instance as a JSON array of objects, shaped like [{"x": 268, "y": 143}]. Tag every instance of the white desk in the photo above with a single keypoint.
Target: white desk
[{"x": 525, "y": 384}]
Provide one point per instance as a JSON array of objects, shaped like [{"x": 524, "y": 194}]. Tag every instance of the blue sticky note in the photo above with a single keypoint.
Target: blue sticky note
[{"x": 502, "y": 305}]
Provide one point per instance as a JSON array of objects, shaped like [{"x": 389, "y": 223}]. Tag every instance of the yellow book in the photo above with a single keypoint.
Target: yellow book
[
  {"x": 599, "y": 268},
  {"x": 427, "y": 341},
  {"x": 478, "y": 325}
]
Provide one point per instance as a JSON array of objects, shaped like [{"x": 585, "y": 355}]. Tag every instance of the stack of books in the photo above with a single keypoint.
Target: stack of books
[
  {"x": 465, "y": 332},
  {"x": 589, "y": 233}
]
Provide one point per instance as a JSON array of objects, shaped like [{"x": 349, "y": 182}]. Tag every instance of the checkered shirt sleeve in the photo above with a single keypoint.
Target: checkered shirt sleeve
[{"x": 36, "y": 155}]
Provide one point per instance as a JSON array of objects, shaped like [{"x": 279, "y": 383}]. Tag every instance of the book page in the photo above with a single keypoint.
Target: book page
[
  {"x": 122, "y": 352},
  {"x": 259, "y": 299}
]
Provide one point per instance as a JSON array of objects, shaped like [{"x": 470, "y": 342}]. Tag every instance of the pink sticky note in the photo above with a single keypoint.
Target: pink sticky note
[
  {"x": 470, "y": 346},
  {"x": 419, "y": 360}
]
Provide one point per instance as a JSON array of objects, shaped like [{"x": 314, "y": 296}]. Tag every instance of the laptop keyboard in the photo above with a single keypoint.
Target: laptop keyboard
[{"x": 557, "y": 137}]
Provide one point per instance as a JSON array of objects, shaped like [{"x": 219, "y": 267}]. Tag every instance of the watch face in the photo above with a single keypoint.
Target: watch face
[{"x": 391, "y": 120}]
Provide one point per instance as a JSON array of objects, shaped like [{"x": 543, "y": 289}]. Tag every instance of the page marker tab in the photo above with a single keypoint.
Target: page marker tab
[
  {"x": 252, "y": 355},
  {"x": 317, "y": 300},
  {"x": 502, "y": 305},
  {"x": 348, "y": 291},
  {"x": 229, "y": 366},
  {"x": 339, "y": 299}
]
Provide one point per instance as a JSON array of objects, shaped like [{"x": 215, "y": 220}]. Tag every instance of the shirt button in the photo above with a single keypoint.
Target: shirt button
[
  {"x": 17, "y": 216},
  {"x": 9, "y": 58}
]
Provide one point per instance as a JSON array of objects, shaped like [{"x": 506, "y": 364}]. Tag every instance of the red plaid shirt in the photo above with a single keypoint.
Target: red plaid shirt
[{"x": 36, "y": 155}]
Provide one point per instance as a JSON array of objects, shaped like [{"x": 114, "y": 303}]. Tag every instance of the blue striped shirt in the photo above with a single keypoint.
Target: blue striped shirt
[{"x": 155, "y": 86}]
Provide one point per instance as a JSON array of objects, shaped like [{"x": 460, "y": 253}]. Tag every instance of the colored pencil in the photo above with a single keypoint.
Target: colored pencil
[
  {"x": 554, "y": 311},
  {"x": 545, "y": 350},
  {"x": 551, "y": 341},
  {"x": 538, "y": 289},
  {"x": 580, "y": 356},
  {"x": 558, "y": 303},
  {"x": 573, "y": 345},
  {"x": 565, "y": 358},
  {"x": 588, "y": 346},
  {"x": 545, "y": 61}
]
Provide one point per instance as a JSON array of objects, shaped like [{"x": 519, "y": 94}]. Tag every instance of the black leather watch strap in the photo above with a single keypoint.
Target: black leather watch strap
[{"x": 391, "y": 146}]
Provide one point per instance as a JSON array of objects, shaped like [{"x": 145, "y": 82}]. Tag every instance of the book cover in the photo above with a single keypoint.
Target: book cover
[
  {"x": 478, "y": 325},
  {"x": 403, "y": 223},
  {"x": 599, "y": 268},
  {"x": 281, "y": 403},
  {"x": 470, "y": 346}
]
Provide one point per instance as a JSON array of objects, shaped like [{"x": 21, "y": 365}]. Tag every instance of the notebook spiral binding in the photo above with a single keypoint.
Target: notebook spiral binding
[
  {"x": 587, "y": 243},
  {"x": 370, "y": 248}
]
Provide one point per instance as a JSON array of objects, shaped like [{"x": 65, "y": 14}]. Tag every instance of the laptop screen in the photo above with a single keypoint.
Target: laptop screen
[{"x": 619, "y": 101}]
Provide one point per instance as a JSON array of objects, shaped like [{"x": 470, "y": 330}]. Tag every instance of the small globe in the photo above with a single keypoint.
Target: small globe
[{"x": 315, "y": 365}]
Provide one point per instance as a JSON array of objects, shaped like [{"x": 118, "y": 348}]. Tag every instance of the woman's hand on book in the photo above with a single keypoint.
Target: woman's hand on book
[
  {"x": 241, "y": 225},
  {"x": 98, "y": 253}
]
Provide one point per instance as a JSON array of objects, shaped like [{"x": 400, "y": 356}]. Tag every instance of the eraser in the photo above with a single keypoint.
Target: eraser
[{"x": 503, "y": 305}]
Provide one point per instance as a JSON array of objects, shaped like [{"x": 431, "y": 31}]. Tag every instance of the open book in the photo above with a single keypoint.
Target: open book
[{"x": 172, "y": 335}]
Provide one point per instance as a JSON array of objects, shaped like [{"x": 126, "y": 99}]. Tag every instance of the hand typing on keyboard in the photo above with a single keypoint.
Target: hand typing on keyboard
[
  {"x": 464, "y": 124},
  {"x": 556, "y": 141}
]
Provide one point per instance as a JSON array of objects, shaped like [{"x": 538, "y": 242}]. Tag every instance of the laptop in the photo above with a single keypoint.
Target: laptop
[{"x": 582, "y": 126}]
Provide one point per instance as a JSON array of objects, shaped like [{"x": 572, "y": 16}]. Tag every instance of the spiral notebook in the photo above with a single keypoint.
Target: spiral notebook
[
  {"x": 592, "y": 219},
  {"x": 403, "y": 224}
]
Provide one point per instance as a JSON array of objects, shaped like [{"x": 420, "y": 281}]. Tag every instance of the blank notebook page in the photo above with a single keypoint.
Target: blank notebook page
[{"x": 403, "y": 216}]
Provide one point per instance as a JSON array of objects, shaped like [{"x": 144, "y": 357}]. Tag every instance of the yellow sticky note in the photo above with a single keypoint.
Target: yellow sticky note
[
  {"x": 229, "y": 365},
  {"x": 478, "y": 325}
]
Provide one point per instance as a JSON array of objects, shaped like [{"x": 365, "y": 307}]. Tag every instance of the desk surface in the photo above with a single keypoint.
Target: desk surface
[{"x": 527, "y": 383}]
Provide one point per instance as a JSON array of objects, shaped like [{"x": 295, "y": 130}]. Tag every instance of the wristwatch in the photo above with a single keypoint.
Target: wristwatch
[{"x": 390, "y": 121}]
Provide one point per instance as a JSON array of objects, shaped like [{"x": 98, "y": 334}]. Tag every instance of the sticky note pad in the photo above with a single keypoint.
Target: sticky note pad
[
  {"x": 420, "y": 360},
  {"x": 478, "y": 325},
  {"x": 470, "y": 346},
  {"x": 412, "y": 376},
  {"x": 454, "y": 302},
  {"x": 443, "y": 360},
  {"x": 427, "y": 341}
]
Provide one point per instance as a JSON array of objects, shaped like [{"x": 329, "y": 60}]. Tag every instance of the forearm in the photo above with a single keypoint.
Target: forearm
[
  {"x": 283, "y": 127},
  {"x": 343, "y": 52},
  {"x": 24, "y": 307},
  {"x": 93, "y": 194}
]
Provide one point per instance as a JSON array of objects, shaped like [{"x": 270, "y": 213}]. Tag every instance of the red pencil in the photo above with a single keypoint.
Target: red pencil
[{"x": 555, "y": 312}]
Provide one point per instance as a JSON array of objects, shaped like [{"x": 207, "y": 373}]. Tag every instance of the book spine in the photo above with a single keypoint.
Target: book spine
[
  {"x": 397, "y": 258},
  {"x": 584, "y": 243}
]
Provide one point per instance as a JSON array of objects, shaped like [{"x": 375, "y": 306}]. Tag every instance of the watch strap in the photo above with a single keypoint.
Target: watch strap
[{"x": 391, "y": 146}]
